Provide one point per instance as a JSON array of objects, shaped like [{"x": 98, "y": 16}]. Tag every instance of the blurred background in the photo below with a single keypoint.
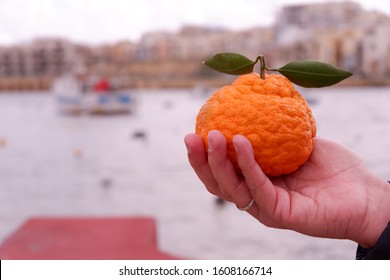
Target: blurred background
[{"x": 96, "y": 97}]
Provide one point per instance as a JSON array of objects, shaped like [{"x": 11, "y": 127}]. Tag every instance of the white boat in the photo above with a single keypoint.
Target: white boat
[{"x": 75, "y": 97}]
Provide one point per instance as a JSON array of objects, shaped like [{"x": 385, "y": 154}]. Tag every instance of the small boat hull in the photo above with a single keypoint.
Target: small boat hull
[{"x": 71, "y": 98}]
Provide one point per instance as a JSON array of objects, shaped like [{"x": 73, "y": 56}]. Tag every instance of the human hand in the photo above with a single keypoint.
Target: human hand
[{"x": 332, "y": 195}]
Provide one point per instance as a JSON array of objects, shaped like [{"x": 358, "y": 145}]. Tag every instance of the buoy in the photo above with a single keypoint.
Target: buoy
[
  {"x": 78, "y": 153},
  {"x": 219, "y": 201},
  {"x": 106, "y": 182},
  {"x": 139, "y": 134},
  {"x": 2, "y": 142}
]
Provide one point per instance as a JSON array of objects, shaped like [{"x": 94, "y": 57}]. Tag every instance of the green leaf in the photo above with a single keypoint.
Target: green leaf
[
  {"x": 311, "y": 73},
  {"x": 231, "y": 63}
]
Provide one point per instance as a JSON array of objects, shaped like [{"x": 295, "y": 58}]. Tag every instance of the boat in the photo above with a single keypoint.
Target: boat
[{"x": 96, "y": 97}]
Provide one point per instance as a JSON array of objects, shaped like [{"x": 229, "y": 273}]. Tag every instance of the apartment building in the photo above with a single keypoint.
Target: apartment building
[
  {"x": 42, "y": 57},
  {"x": 340, "y": 33}
]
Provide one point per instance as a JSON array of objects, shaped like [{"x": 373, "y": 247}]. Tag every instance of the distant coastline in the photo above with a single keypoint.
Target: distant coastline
[
  {"x": 365, "y": 82},
  {"x": 44, "y": 83},
  {"x": 340, "y": 33}
]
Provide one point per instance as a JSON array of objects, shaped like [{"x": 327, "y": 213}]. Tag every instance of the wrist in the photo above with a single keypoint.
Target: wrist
[
  {"x": 378, "y": 212},
  {"x": 381, "y": 250}
]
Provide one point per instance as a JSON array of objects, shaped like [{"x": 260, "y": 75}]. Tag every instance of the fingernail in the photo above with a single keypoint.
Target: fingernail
[
  {"x": 210, "y": 143},
  {"x": 187, "y": 147},
  {"x": 236, "y": 148}
]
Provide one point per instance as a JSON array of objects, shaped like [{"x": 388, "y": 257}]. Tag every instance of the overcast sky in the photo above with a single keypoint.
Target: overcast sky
[{"x": 106, "y": 21}]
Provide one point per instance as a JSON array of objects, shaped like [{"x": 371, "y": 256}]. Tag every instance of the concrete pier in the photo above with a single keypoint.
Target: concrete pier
[
  {"x": 71, "y": 238},
  {"x": 25, "y": 83}
]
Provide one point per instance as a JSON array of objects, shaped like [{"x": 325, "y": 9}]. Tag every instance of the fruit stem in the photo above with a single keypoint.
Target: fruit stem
[{"x": 262, "y": 66}]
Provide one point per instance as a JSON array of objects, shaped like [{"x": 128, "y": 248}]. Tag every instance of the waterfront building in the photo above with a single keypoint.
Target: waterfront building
[
  {"x": 340, "y": 33},
  {"x": 42, "y": 57}
]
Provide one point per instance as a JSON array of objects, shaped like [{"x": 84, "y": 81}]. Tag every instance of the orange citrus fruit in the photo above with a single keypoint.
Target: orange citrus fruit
[{"x": 270, "y": 113}]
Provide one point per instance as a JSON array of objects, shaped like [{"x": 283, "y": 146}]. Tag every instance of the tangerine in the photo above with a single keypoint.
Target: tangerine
[{"x": 270, "y": 113}]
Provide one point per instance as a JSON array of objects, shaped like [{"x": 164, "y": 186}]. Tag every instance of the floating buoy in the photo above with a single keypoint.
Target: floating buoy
[
  {"x": 2, "y": 142},
  {"x": 219, "y": 201},
  {"x": 106, "y": 182},
  {"x": 78, "y": 153},
  {"x": 139, "y": 134}
]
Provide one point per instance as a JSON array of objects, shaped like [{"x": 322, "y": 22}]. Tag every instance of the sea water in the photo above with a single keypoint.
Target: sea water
[{"x": 136, "y": 165}]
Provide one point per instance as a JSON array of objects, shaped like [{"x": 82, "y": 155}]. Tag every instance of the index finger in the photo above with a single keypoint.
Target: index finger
[{"x": 199, "y": 162}]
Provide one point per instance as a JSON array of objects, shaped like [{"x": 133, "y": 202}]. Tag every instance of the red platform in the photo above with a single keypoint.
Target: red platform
[{"x": 84, "y": 238}]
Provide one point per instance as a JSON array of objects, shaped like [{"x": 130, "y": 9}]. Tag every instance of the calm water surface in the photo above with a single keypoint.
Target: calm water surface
[{"x": 58, "y": 165}]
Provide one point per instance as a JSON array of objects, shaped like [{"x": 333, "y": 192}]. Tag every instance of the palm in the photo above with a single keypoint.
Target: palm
[{"x": 320, "y": 196}]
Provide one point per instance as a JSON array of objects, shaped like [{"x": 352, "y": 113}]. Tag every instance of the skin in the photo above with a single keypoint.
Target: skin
[{"x": 332, "y": 195}]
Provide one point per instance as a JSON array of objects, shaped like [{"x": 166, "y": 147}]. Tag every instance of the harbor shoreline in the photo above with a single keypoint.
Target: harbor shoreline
[{"x": 44, "y": 83}]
